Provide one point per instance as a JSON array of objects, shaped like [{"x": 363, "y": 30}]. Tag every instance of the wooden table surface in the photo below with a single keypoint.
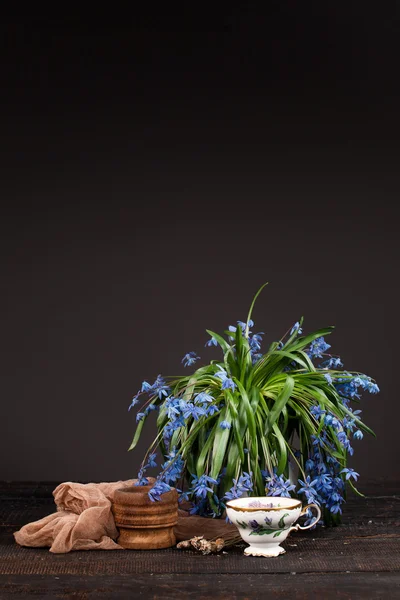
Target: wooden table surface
[{"x": 360, "y": 559}]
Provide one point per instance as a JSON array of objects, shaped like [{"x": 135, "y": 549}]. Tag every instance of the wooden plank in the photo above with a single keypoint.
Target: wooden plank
[
  {"x": 304, "y": 555},
  {"x": 17, "y": 513},
  {"x": 165, "y": 586}
]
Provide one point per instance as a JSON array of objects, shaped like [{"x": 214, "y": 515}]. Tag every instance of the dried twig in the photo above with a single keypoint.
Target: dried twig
[
  {"x": 202, "y": 545},
  {"x": 208, "y": 546}
]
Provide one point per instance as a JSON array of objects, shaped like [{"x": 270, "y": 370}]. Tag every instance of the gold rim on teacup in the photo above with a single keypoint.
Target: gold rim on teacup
[{"x": 230, "y": 504}]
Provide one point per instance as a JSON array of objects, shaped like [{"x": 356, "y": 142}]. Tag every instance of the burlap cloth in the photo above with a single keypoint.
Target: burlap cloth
[{"x": 84, "y": 521}]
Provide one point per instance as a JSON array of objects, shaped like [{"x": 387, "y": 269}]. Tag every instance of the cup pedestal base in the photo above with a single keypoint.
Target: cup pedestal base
[{"x": 271, "y": 551}]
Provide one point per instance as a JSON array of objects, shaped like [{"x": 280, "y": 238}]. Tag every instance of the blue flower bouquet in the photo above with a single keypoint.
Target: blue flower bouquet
[{"x": 279, "y": 422}]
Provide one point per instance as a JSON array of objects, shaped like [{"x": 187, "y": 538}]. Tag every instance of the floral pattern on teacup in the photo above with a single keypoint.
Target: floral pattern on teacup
[
  {"x": 259, "y": 504},
  {"x": 261, "y": 529}
]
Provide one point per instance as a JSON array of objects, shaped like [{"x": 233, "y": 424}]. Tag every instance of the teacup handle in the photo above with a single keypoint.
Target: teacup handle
[{"x": 297, "y": 527}]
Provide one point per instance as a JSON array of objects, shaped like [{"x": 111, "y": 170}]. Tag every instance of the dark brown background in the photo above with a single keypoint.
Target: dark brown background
[{"x": 156, "y": 171}]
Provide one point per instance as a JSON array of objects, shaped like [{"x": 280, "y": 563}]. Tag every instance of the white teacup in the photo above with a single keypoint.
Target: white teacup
[{"x": 265, "y": 522}]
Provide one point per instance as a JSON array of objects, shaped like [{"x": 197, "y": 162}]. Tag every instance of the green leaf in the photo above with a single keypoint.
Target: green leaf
[
  {"x": 204, "y": 451},
  {"x": 243, "y": 355},
  {"x": 251, "y": 308},
  {"x": 232, "y": 403},
  {"x": 266, "y": 531},
  {"x": 355, "y": 489},
  {"x": 137, "y": 434},
  {"x": 249, "y": 411},
  {"x": 239, "y": 441},
  {"x": 292, "y": 357},
  {"x": 233, "y": 465},
  {"x": 280, "y": 403},
  {"x": 220, "y": 444},
  {"x": 188, "y": 393},
  {"x": 283, "y": 458},
  {"x": 282, "y": 523}
]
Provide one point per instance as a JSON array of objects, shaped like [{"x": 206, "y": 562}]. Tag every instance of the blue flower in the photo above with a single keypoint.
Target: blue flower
[
  {"x": 309, "y": 464},
  {"x": 349, "y": 424},
  {"x": 173, "y": 467},
  {"x": 371, "y": 387},
  {"x": 332, "y": 421},
  {"x": 317, "y": 411},
  {"x": 332, "y": 363},
  {"x": 211, "y": 342},
  {"x": 323, "y": 483},
  {"x": 245, "y": 480},
  {"x": 343, "y": 439},
  {"x": 140, "y": 416},
  {"x": 310, "y": 519},
  {"x": 328, "y": 377},
  {"x": 255, "y": 357},
  {"x": 183, "y": 496},
  {"x": 212, "y": 409},
  {"x": 135, "y": 400},
  {"x": 232, "y": 329},
  {"x": 319, "y": 441},
  {"x": 203, "y": 397},
  {"x": 151, "y": 461},
  {"x": 190, "y": 358},
  {"x": 308, "y": 489},
  {"x": 150, "y": 408},
  {"x": 240, "y": 486},
  {"x": 243, "y": 325},
  {"x": 173, "y": 406},
  {"x": 142, "y": 480},
  {"x": 350, "y": 473},
  {"x": 255, "y": 342},
  {"x": 278, "y": 486},
  {"x": 335, "y": 508},
  {"x": 191, "y": 410},
  {"x": 173, "y": 412},
  {"x": 227, "y": 382},
  {"x": 225, "y": 425},
  {"x": 358, "y": 434},
  {"x": 317, "y": 348},
  {"x": 296, "y": 327},
  {"x": 201, "y": 485},
  {"x": 146, "y": 387},
  {"x": 172, "y": 426},
  {"x": 348, "y": 386},
  {"x": 160, "y": 388},
  {"x": 159, "y": 488},
  {"x": 232, "y": 493}
]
